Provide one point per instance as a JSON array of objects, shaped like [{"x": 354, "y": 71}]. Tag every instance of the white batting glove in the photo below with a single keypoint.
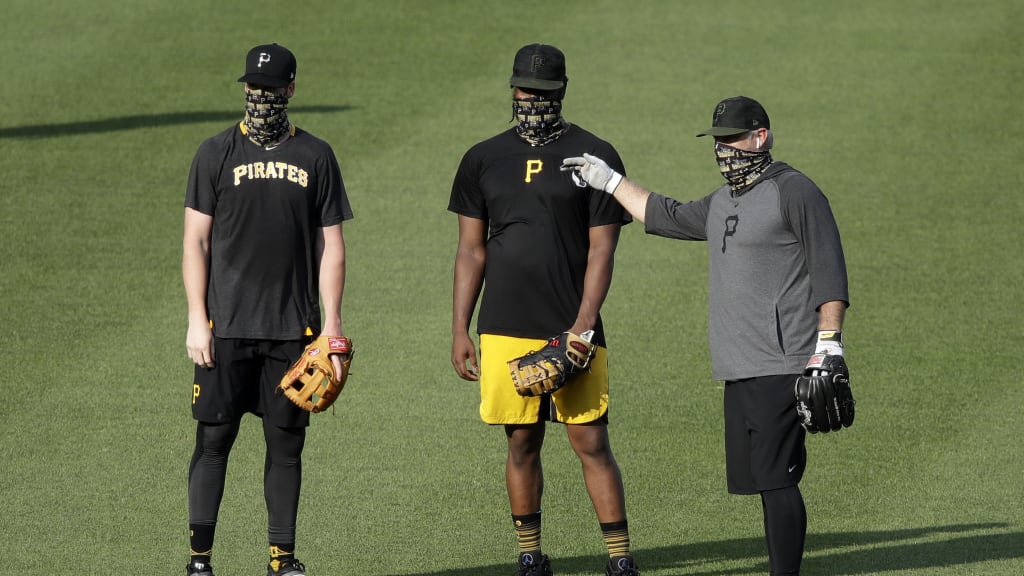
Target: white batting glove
[
  {"x": 595, "y": 172},
  {"x": 829, "y": 342}
]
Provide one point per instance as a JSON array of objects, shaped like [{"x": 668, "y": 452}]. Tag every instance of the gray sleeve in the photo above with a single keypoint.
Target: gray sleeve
[
  {"x": 806, "y": 209},
  {"x": 666, "y": 217}
]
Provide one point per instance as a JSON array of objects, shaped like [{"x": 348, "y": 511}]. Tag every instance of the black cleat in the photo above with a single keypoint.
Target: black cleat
[
  {"x": 622, "y": 566},
  {"x": 194, "y": 568},
  {"x": 534, "y": 564},
  {"x": 289, "y": 567}
]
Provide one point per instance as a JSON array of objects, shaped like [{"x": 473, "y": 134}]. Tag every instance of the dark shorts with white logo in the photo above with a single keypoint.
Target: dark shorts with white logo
[
  {"x": 764, "y": 442},
  {"x": 244, "y": 379}
]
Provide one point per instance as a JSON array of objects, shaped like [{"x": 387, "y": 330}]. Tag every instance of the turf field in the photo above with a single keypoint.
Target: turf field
[{"x": 908, "y": 115}]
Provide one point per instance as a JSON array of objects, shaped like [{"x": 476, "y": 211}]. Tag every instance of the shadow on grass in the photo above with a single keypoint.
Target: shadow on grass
[
  {"x": 135, "y": 122},
  {"x": 837, "y": 554}
]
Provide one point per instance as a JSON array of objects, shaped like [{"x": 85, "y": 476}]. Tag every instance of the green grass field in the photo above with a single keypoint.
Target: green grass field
[{"x": 906, "y": 113}]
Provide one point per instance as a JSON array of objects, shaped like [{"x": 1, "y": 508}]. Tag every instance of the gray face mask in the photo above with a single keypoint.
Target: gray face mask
[
  {"x": 266, "y": 116},
  {"x": 539, "y": 121},
  {"x": 741, "y": 167}
]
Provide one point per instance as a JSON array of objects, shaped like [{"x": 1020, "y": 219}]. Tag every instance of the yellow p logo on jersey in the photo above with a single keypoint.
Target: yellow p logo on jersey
[
  {"x": 195, "y": 393},
  {"x": 533, "y": 167}
]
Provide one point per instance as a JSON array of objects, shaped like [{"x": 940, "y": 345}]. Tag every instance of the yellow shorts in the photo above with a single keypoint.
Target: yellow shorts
[{"x": 584, "y": 399}]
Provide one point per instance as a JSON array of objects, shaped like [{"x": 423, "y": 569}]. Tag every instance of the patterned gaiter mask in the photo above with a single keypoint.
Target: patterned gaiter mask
[
  {"x": 741, "y": 167},
  {"x": 539, "y": 122},
  {"x": 266, "y": 116}
]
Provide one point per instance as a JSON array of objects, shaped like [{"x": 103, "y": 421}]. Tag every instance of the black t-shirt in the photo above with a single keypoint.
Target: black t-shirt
[
  {"x": 267, "y": 206},
  {"x": 538, "y": 237}
]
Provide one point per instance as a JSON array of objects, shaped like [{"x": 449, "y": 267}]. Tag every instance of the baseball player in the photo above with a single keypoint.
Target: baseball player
[
  {"x": 262, "y": 247},
  {"x": 777, "y": 295},
  {"x": 548, "y": 242}
]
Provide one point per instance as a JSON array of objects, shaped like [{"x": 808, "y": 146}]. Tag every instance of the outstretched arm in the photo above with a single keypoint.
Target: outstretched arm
[{"x": 597, "y": 174}]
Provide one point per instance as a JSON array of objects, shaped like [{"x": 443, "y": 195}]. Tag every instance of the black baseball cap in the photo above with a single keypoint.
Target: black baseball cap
[
  {"x": 540, "y": 67},
  {"x": 269, "y": 65},
  {"x": 737, "y": 115}
]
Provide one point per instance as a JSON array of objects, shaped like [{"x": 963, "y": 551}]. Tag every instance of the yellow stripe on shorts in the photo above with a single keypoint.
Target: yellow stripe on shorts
[{"x": 583, "y": 399}]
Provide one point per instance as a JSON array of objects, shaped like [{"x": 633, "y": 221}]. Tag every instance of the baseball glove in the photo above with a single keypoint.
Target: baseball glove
[
  {"x": 548, "y": 369},
  {"x": 311, "y": 382},
  {"x": 824, "y": 400}
]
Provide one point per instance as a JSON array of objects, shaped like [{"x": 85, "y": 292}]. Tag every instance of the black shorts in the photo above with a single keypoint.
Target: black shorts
[
  {"x": 244, "y": 379},
  {"x": 764, "y": 442}
]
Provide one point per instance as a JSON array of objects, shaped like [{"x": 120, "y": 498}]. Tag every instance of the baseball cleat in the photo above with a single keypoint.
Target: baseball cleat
[
  {"x": 534, "y": 564},
  {"x": 198, "y": 569},
  {"x": 289, "y": 567},
  {"x": 622, "y": 566}
]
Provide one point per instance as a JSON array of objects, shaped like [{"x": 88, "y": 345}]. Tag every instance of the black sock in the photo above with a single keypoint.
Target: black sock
[
  {"x": 279, "y": 553},
  {"x": 201, "y": 540}
]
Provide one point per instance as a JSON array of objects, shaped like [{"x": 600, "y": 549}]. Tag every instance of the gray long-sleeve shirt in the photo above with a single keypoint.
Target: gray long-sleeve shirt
[{"x": 775, "y": 256}]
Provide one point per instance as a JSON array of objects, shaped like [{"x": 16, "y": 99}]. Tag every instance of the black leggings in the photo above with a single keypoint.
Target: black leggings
[
  {"x": 785, "y": 525},
  {"x": 282, "y": 475}
]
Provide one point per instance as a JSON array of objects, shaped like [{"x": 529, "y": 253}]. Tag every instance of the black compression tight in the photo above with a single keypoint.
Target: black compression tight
[
  {"x": 785, "y": 525},
  {"x": 282, "y": 479},
  {"x": 282, "y": 475},
  {"x": 208, "y": 469}
]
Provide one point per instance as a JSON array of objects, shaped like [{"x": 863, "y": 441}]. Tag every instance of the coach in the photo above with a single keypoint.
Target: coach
[{"x": 777, "y": 295}]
